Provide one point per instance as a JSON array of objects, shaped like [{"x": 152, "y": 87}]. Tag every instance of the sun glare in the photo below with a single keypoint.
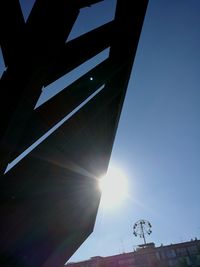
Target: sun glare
[{"x": 114, "y": 188}]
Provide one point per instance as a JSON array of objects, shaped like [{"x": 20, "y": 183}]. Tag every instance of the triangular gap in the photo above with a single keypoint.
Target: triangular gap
[
  {"x": 26, "y": 7},
  {"x": 53, "y": 129},
  {"x": 54, "y": 88},
  {"x": 92, "y": 17},
  {"x": 2, "y": 63}
]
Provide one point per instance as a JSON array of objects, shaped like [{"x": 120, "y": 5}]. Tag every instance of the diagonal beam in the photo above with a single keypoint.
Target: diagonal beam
[
  {"x": 80, "y": 50},
  {"x": 51, "y": 112},
  {"x": 129, "y": 22}
]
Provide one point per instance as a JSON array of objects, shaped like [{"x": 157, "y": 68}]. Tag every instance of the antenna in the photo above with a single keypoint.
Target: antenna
[{"x": 122, "y": 245}]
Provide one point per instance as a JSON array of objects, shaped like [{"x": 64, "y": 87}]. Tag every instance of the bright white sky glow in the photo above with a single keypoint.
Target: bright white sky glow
[{"x": 114, "y": 188}]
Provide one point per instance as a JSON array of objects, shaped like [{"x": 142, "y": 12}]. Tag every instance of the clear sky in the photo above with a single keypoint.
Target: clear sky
[{"x": 157, "y": 142}]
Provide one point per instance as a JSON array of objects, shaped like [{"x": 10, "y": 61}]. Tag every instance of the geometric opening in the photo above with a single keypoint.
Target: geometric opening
[
  {"x": 2, "y": 63},
  {"x": 57, "y": 86},
  {"x": 91, "y": 17},
  {"x": 26, "y": 7},
  {"x": 50, "y": 131}
]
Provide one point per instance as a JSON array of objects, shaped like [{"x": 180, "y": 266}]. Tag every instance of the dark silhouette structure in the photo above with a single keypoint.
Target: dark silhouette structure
[{"x": 49, "y": 200}]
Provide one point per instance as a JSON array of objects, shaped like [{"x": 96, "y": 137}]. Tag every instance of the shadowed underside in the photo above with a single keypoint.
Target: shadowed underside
[{"x": 49, "y": 200}]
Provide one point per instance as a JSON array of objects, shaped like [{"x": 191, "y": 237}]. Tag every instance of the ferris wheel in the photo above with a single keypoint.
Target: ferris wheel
[{"x": 141, "y": 228}]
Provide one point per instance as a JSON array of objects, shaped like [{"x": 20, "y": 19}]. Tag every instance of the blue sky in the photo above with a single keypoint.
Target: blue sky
[{"x": 157, "y": 142}]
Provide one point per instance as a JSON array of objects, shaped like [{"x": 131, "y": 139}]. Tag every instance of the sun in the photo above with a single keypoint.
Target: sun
[{"x": 114, "y": 188}]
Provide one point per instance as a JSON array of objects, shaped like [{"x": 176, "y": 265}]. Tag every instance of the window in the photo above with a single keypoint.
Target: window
[
  {"x": 170, "y": 254},
  {"x": 193, "y": 250},
  {"x": 181, "y": 251},
  {"x": 198, "y": 259},
  {"x": 173, "y": 263},
  {"x": 158, "y": 255},
  {"x": 162, "y": 253},
  {"x": 185, "y": 261}
]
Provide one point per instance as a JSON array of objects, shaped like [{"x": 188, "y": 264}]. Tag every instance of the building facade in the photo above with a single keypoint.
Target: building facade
[{"x": 174, "y": 255}]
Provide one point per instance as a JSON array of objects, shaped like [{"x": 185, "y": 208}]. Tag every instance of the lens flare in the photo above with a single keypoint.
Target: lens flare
[{"x": 114, "y": 188}]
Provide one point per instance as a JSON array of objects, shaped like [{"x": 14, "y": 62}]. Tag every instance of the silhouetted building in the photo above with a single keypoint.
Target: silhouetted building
[
  {"x": 174, "y": 255},
  {"x": 52, "y": 153}
]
